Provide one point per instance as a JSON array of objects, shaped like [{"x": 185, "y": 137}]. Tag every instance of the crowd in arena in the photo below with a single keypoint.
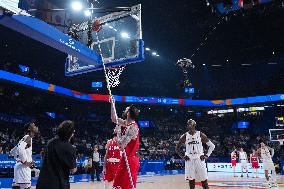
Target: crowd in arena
[
  {"x": 94, "y": 127},
  {"x": 156, "y": 143}
]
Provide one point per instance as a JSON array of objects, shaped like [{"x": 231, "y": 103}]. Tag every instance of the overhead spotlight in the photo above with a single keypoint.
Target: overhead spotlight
[
  {"x": 124, "y": 35},
  {"x": 147, "y": 49},
  {"x": 207, "y": 3},
  {"x": 204, "y": 64},
  {"x": 87, "y": 13},
  {"x": 76, "y": 6},
  {"x": 227, "y": 60},
  {"x": 273, "y": 52},
  {"x": 216, "y": 65},
  {"x": 154, "y": 53},
  {"x": 157, "y": 55}
]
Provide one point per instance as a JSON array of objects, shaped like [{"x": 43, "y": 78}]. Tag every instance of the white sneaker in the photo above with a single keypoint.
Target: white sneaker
[{"x": 275, "y": 184}]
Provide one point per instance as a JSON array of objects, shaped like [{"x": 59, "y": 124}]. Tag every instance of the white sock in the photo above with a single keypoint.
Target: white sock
[{"x": 273, "y": 176}]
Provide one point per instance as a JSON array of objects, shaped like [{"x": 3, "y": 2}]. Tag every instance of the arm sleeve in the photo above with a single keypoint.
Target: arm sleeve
[
  {"x": 131, "y": 133},
  {"x": 21, "y": 151},
  {"x": 211, "y": 148}
]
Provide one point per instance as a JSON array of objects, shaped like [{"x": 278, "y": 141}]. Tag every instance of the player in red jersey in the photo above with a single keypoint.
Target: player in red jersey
[
  {"x": 111, "y": 160},
  {"x": 254, "y": 162},
  {"x": 128, "y": 141},
  {"x": 234, "y": 161}
]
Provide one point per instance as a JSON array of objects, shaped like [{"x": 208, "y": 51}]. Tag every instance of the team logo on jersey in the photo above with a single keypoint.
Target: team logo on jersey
[{"x": 193, "y": 142}]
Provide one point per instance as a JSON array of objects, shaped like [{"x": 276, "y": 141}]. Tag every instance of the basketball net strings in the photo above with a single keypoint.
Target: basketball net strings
[{"x": 115, "y": 82}]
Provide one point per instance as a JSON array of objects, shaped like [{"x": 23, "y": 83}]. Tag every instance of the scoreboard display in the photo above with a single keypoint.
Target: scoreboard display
[{"x": 279, "y": 121}]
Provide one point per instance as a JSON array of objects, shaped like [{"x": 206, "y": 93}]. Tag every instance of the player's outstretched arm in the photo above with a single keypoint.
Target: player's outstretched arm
[
  {"x": 208, "y": 142},
  {"x": 114, "y": 117},
  {"x": 181, "y": 141}
]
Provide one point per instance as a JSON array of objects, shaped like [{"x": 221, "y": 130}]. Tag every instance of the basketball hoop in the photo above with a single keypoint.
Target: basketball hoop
[
  {"x": 280, "y": 138},
  {"x": 113, "y": 75}
]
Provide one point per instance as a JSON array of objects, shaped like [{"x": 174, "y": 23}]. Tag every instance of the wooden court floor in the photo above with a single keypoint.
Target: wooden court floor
[{"x": 216, "y": 181}]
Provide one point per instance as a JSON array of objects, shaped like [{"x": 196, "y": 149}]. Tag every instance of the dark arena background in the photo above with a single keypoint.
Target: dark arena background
[{"x": 219, "y": 62}]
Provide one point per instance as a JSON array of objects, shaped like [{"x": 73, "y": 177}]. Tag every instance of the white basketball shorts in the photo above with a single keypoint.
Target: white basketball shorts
[
  {"x": 195, "y": 169},
  {"x": 22, "y": 175}
]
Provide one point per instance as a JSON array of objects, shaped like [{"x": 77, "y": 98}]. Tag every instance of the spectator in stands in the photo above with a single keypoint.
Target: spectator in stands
[
  {"x": 96, "y": 164},
  {"x": 87, "y": 165}
]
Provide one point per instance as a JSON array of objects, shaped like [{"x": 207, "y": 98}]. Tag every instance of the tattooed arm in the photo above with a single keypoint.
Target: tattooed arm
[{"x": 130, "y": 133}]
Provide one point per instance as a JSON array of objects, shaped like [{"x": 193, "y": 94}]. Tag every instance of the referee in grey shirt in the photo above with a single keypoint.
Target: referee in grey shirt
[{"x": 96, "y": 164}]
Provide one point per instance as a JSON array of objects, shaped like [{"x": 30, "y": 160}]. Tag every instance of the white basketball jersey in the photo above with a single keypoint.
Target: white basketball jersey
[
  {"x": 266, "y": 155},
  {"x": 242, "y": 156},
  {"x": 27, "y": 151},
  {"x": 194, "y": 148}
]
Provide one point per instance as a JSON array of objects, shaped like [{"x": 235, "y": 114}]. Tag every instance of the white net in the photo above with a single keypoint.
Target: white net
[{"x": 113, "y": 75}]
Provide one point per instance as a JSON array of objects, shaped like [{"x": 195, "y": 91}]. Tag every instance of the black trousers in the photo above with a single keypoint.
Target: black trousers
[{"x": 95, "y": 169}]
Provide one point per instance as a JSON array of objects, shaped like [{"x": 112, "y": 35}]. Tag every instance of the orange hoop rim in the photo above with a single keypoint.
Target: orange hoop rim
[{"x": 116, "y": 68}]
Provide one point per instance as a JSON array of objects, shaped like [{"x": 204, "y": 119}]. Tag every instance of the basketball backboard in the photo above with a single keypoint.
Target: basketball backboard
[
  {"x": 119, "y": 41},
  {"x": 276, "y": 134}
]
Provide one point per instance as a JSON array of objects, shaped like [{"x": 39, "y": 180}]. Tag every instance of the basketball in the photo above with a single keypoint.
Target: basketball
[{"x": 97, "y": 26}]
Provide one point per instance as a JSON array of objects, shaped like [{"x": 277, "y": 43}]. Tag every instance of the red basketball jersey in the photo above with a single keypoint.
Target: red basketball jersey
[
  {"x": 254, "y": 159},
  {"x": 113, "y": 149},
  {"x": 121, "y": 180},
  {"x": 133, "y": 146}
]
